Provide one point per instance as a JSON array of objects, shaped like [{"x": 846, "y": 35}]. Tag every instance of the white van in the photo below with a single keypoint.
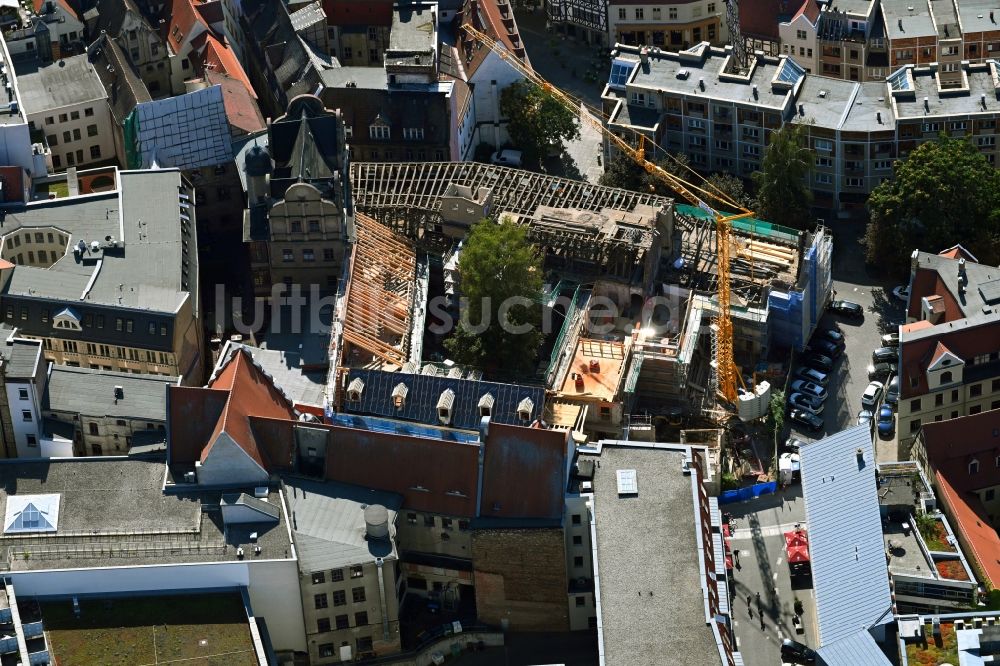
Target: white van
[{"x": 508, "y": 157}]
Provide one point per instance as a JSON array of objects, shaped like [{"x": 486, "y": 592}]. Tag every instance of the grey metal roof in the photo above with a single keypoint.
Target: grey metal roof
[
  {"x": 425, "y": 391},
  {"x": 92, "y": 393},
  {"x": 373, "y": 78},
  {"x": 849, "y": 570},
  {"x": 858, "y": 649},
  {"x": 285, "y": 368},
  {"x": 652, "y": 607},
  {"x": 24, "y": 358},
  {"x": 328, "y": 523},
  {"x": 66, "y": 82}
]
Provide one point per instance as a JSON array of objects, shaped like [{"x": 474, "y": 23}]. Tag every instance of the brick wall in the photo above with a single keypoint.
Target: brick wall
[{"x": 520, "y": 574}]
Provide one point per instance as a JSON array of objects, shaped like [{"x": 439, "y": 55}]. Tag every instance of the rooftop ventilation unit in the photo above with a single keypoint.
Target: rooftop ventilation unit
[
  {"x": 119, "y": 392},
  {"x": 701, "y": 84},
  {"x": 682, "y": 74}
]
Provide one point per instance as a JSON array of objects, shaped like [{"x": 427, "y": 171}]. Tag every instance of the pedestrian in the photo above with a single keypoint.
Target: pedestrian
[
  {"x": 736, "y": 557},
  {"x": 758, "y": 601},
  {"x": 749, "y": 599}
]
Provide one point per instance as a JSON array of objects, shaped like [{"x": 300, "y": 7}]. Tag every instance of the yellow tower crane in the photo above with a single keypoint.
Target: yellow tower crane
[{"x": 726, "y": 370}]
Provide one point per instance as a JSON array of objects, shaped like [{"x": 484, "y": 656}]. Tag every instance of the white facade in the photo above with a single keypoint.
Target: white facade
[
  {"x": 668, "y": 16},
  {"x": 488, "y": 81},
  {"x": 798, "y": 39},
  {"x": 83, "y": 133},
  {"x": 579, "y": 562}
]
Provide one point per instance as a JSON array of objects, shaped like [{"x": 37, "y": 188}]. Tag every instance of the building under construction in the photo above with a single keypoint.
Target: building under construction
[{"x": 618, "y": 244}]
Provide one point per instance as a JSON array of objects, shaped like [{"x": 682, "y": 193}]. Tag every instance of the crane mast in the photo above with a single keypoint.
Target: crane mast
[{"x": 724, "y": 362}]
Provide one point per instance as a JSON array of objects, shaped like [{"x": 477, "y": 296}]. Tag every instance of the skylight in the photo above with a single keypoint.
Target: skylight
[
  {"x": 899, "y": 80},
  {"x": 621, "y": 70},
  {"x": 31, "y": 513},
  {"x": 790, "y": 72}
]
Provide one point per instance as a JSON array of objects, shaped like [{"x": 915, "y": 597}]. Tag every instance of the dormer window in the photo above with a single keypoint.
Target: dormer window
[
  {"x": 444, "y": 406},
  {"x": 399, "y": 396},
  {"x": 379, "y": 129},
  {"x": 974, "y": 467},
  {"x": 67, "y": 319},
  {"x": 486, "y": 405},
  {"x": 946, "y": 375},
  {"x": 524, "y": 409},
  {"x": 354, "y": 390}
]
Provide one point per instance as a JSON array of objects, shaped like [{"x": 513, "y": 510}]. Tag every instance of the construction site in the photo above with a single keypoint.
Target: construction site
[{"x": 633, "y": 276}]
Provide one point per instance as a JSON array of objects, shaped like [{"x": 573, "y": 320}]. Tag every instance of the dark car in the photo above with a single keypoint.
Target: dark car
[
  {"x": 831, "y": 334},
  {"x": 809, "y": 388},
  {"x": 885, "y": 355},
  {"x": 892, "y": 392},
  {"x": 881, "y": 371},
  {"x": 806, "y": 419},
  {"x": 825, "y": 347},
  {"x": 886, "y": 423},
  {"x": 797, "y": 653},
  {"x": 847, "y": 309},
  {"x": 812, "y": 375},
  {"x": 818, "y": 361},
  {"x": 806, "y": 402}
]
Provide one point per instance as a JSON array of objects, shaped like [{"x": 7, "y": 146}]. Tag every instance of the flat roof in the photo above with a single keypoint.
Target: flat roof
[
  {"x": 824, "y": 101},
  {"x": 915, "y": 17},
  {"x": 329, "y": 529},
  {"x": 849, "y": 570},
  {"x": 65, "y": 82},
  {"x": 23, "y": 358},
  {"x": 414, "y": 27},
  {"x": 92, "y": 393},
  {"x": 647, "y": 562},
  {"x": 113, "y": 512},
  {"x": 146, "y": 271},
  {"x": 601, "y": 365},
  {"x": 950, "y": 102}
]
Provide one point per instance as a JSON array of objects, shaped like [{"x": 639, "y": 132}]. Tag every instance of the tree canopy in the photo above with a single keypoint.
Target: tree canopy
[
  {"x": 782, "y": 184},
  {"x": 944, "y": 192},
  {"x": 501, "y": 278},
  {"x": 622, "y": 171},
  {"x": 536, "y": 120}
]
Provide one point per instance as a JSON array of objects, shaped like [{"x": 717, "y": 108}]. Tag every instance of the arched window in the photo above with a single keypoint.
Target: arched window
[
  {"x": 946, "y": 377},
  {"x": 974, "y": 467}
]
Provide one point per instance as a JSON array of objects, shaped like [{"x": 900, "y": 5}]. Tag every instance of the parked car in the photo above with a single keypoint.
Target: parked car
[
  {"x": 885, "y": 355},
  {"x": 881, "y": 371},
  {"x": 886, "y": 422},
  {"x": 508, "y": 157},
  {"x": 865, "y": 417},
  {"x": 870, "y": 398},
  {"x": 812, "y": 375},
  {"x": 807, "y": 420},
  {"x": 818, "y": 361},
  {"x": 833, "y": 335},
  {"x": 802, "y": 401},
  {"x": 892, "y": 392},
  {"x": 825, "y": 347},
  {"x": 811, "y": 389},
  {"x": 797, "y": 653},
  {"x": 902, "y": 292},
  {"x": 794, "y": 444},
  {"x": 890, "y": 340},
  {"x": 847, "y": 309}
]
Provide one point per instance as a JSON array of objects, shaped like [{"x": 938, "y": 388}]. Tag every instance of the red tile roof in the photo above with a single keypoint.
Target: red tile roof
[
  {"x": 927, "y": 282},
  {"x": 39, "y": 4},
  {"x": 939, "y": 351},
  {"x": 240, "y": 393},
  {"x": 185, "y": 19},
  {"x": 963, "y": 341},
  {"x": 968, "y": 517},
  {"x": 485, "y": 16},
  {"x": 760, "y": 18},
  {"x": 524, "y": 472},
  {"x": 952, "y": 444},
  {"x": 958, "y": 252},
  {"x": 241, "y": 109},
  {"x": 358, "y": 12},
  {"x": 810, "y": 9},
  {"x": 220, "y": 58}
]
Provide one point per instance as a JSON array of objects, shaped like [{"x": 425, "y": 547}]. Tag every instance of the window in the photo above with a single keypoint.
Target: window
[
  {"x": 578, "y": 540},
  {"x": 93, "y": 428},
  {"x": 576, "y": 519},
  {"x": 413, "y": 133},
  {"x": 308, "y": 255},
  {"x": 63, "y": 117},
  {"x": 327, "y": 254},
  {"x": 378, "y": 131},
  {"x": 975, "y": 390},
  {"x": 824, "y": 145},
  {"x": 823, "y": 179},
  {"x": 318, "y": 578},
  {"x": 95, "y": 152},
  {"x": 296, "y": 227},
  {"x": 24, "y": 311},
  {"x": 89, "y": 111},
  {"x": 914, "y": 425},
  {"x": 711, "y": 8},
  {"x": 975, "y": 409},
  {"x": 52, "y": 139},
  {"x": 580, "y": 601},
  {"x": 45, "y": 315},
  {"x": 343, "y": 622},
  {"x": 32, "y": 441},
  {"x": 428, "y": 521},
  {"x": 621, "y": 13},
  {"x": 824, "y": 162},
  {"x": 578, "y": 561},
  {"x": 360, "y": 618},
  {"x": 320, "y": 600},
  {"x": 119, "y": 324},
  {"x": 358, "y": 594},
  {"x": 336, "y": 575},
  {"x": 411, "y": 518},
  {"x": 638, "y": 14},
  {"x": 915, "y": 405},
  {"x": 800, "y": 34},
  {"x": 939, "y": 400},
  {"x": 326, "y": 649},
  {"x": 990, "y": 494},
  {"x": 853, "y": 182},
  {"x": 946, "y": 377},
  {"x": 185, "y": 64},
  {"x": 357, "y": 571},
  {"x": 323, "y": 624},
  {"x": 974, "y": 467},
  {"x": 364, "y": 644},
  {"x": 446, "y": 523},
  {"x": 26, "y": 415},
  {"x": 672, "y": 13},
  {"x": 313, "y": 226},
  {"x": 657, "y": 14},
  {"x": 100, "y": 321},
  {"x": 339, "y": 598},
  {"x": 67, "y": 137},
  {"x": 287, "y": 255},
  {"x": 77, "y": 134},
  {"x": 22, "y": 394}
]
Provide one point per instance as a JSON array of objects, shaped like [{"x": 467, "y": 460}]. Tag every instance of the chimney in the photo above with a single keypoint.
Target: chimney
[
  {"x": 961, "y": 268},
  {"x": 802, "y": 109},
  {"x": 992, "y": 20},
  {"x": 927, "y": 103},
  {"x": 901, "y": 25},
  {"x": 701, "y": 84},
  {"x": 982, "y": 100},
  {"x": 755, "y": 95},
  {"x": 878, "y": 117},
  {"x": 644, "y": 56}
]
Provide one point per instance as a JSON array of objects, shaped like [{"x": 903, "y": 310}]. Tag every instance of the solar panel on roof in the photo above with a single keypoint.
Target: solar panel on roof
[
  {"x": 620, "y": 71},
  {"x": 628, "y": 483}
]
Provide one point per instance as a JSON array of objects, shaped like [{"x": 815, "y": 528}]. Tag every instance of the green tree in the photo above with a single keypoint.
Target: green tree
[
  {"x": 944, "y": 192},
  {"x": 501, "y": 280},
  {"x": 623, "y": 171},
  {"x": 783, "y": 193},
  {"x": 732, "y": 187},
  {"x": 536, "y": 120}
]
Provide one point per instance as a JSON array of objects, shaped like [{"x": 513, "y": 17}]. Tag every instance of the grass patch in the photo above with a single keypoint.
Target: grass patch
[
  {"x": 937, "y": 651},
  {"x": 59, "y": 188},
  {"x": 934, "y": 534},
  {"x": 203, "y": 630}
]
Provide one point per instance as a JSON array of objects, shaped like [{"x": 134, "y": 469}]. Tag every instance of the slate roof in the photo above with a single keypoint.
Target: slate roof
[
  {"x": 23, "y": 358},
  {"x": 849, "y": 570},
  {"x": 285, "y": 369},
  {"x": 304, "y": 145},
  {"x": 122, "y": 85},
  {"x": 424, "y": 393},
  {"x": 329, "y": 527},
  {"x": 92, "y": 393},
  {"x": 187, "y": 131}
]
